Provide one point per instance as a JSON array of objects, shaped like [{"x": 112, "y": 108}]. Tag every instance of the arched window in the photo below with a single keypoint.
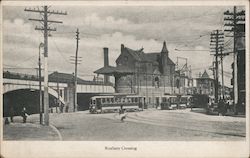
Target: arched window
[
  {"x": 177, "y": 83},
  {"x": 157, "y": 82}
]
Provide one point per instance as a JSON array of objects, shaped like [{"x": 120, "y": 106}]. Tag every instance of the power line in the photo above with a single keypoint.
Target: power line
[{"x": 59, "y": 51}]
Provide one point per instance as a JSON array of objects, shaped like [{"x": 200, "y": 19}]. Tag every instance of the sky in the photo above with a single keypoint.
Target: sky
[{"x": 183, "y": 28}]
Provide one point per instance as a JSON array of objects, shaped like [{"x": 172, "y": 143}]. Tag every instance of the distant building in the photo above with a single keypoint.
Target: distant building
[{"x": 205, "y": 84}]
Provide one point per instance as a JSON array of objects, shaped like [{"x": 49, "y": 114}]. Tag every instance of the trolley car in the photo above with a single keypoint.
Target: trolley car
[
  {"x": 112, "y": 103},
  {"x": 169, "y": 102}
]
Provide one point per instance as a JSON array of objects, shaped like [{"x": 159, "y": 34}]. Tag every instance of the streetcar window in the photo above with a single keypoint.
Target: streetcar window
[
  {"x": 125, "y": 100},
  {"x": 98, "y": 101},
  {"x": 163, "y": 99},
  {"x": 103, "y": 100},
  {"x": 108, "y": 100},
  {"x": 118, "y": 100},
  {"x": 136, "y": 100},
  {"x": 133, "y": 100},
  {"x": 129, "y": 100},
  {"x": 112, "y": 100}
]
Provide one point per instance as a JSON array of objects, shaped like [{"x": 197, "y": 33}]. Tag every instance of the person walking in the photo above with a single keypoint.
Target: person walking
[
  {"x": 11, "y": 114},
  {"x": 24, "y": 114},
  {"x": 122, "y": 114},
  {"x": 6, "y": 121}
]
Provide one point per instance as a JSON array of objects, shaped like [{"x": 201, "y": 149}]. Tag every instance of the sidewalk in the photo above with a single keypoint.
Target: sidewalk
[{"x": 28, "y": 131}]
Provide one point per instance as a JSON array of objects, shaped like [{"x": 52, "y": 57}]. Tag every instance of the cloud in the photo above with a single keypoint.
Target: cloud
[{"x": 139, "y": 27}]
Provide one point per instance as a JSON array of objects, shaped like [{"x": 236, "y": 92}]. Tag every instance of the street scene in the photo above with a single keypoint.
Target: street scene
[
  {"x": 124, "y": 73},
  {"x": 150, "y": 125}
]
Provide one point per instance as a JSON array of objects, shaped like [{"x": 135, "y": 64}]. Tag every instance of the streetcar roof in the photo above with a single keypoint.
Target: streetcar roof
[{"x": 115, "y": 96}]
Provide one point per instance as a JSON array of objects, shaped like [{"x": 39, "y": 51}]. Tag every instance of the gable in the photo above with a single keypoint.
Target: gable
[{"x": 125, "y": 59}]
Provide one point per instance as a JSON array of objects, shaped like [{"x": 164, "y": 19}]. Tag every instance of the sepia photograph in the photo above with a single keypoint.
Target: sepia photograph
[{"x": 124, "y": 72}]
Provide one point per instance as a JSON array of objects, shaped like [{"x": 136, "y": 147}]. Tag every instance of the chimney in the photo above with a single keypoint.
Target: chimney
[
  {"x": 106, "y": 56},
  {"x": 106, "y": 63},
  {"x": 122, "y": 47}
]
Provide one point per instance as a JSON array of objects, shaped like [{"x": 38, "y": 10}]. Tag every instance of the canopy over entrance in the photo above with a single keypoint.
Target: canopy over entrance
[{"x": 114, "y": 71}]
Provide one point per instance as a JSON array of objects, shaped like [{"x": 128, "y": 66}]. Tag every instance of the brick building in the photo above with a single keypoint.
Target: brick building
[
  {"x": 149, "y": 74},
  {"x": 151, "y": 70}
]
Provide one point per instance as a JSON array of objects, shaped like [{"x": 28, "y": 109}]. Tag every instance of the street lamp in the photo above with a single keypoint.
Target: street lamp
[{"x": 40, "y": 85}]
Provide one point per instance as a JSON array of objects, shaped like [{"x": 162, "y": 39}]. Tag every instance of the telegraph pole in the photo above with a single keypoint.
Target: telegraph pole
[
  {"x": 40, "y": 85},
  {"x": 222, "y": 73},
  {"x": 233, "y": 19},
  {"x": 217, "y": 40},
  {"x": 58, "y": 93},
  {"x": 76, "y": 62},
  {"x": 44, "y": 12}
]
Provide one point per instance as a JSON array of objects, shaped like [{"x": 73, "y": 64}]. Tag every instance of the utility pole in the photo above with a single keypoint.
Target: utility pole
[
  {"x": 58, "y": 93},
  {"x": 40, "y": 85},
  {"x": 76, "y": 62},
  {"x": 44, "y": 12},
  {"x": 217, "y": 41},
  {"x": 233, "y": 19},
  {"x": 183, "y": 69},
  {"x": 212, "y": 68},
  {"x": 222, "y": 73}
]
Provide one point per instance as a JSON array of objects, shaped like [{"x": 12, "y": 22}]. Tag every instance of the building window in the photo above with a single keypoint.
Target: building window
[
  {"x": 178, "y": 83},
  {"x": 157, "y": 82},
  {"x": 61, "y": 92}
]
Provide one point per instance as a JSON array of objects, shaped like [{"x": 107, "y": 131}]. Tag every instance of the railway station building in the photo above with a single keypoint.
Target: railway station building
[{"x": 149, "y": 74}]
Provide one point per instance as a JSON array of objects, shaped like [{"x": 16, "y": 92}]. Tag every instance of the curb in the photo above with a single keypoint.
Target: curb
[{"x": 56, "y": 130}]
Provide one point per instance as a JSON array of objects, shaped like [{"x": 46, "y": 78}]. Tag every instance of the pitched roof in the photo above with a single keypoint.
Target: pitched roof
[
  {"x": 205, "y": 75},
  {"x": 110, "y": 70},
  {"x": 139, "y": 55},
  {"x": 63, "y": 77},
  {"x": 68, "y": 78}
]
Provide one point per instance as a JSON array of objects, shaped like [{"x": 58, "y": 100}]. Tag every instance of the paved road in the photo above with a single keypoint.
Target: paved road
[
  {"x": 28, "y": 131},
  {"x": 149, "y": 125}
]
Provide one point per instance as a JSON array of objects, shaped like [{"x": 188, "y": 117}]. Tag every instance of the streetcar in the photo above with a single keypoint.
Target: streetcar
[
  {"x": 169, "y": 102},
  {"x": 183, "y": 102},
  {"x": 199, "y": 101},
  {"x": 113, "y": 103}
]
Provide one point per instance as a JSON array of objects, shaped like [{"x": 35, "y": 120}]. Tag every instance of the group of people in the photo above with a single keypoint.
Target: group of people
[
  {"x": 24, "y": 115},
  {"x": 223, "y": 107}
]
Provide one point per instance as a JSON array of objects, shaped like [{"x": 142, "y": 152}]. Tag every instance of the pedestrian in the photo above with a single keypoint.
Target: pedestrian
[
  {"x": 6, "y": 121},
  {"x": 122, "y": 114},
  {"x": 220, "y": 107},
  {"x": 11, "y": 114},
  {"x": 61, "y": 107},
  {"x": 224, "y": 110},
  {"x": 24, "y": 114},
  {"x": 67, "y": 108}
]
